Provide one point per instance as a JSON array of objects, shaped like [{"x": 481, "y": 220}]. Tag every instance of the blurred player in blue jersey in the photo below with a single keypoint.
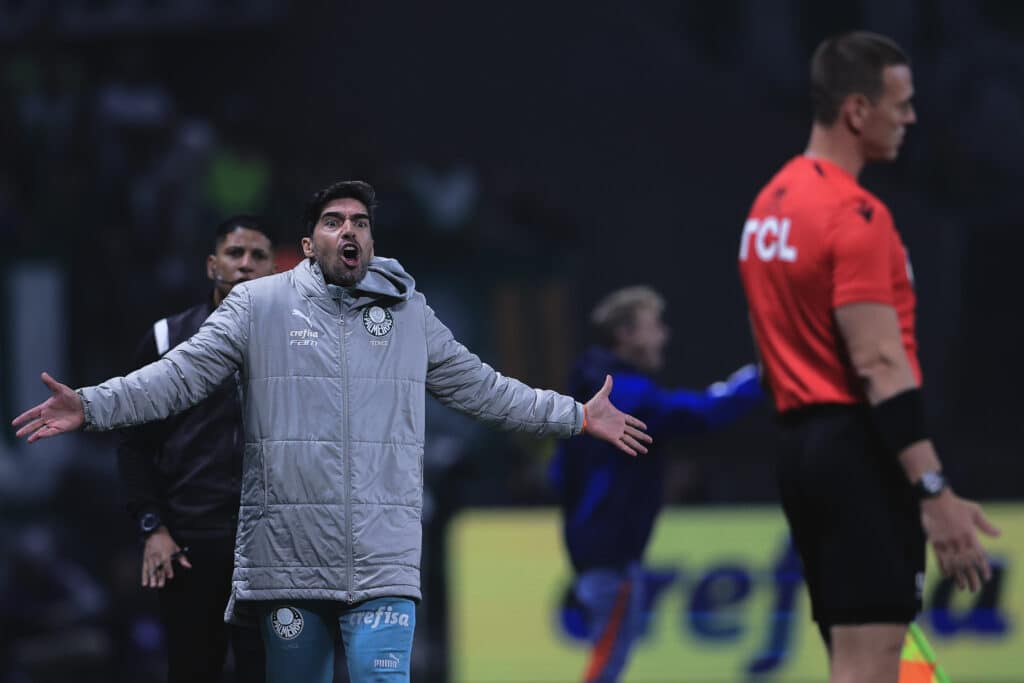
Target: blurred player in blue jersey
[{"x": 609, "y": 501}]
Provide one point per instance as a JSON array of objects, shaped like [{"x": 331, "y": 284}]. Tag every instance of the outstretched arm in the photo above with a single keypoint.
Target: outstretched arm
[
  {"x": 688, "y": 411},
  {"x": 460, "y": 380},
  {"x": 60, "y": 413},
  {"x": 183, "y": 377},
  {"x": 716, "y": 407}
]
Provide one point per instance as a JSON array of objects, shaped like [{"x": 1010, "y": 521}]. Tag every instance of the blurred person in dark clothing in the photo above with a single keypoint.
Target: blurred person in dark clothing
[
  {"x": 831, "y": 296},
  {"x": 182, "y": 481},
  {"x": 610, "y": 502}
]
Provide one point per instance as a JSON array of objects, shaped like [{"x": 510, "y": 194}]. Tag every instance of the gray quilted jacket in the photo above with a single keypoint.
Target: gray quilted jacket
[{"x": 334, "y": 384}]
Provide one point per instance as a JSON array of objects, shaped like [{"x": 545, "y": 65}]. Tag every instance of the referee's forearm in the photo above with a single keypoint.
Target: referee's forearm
[
  {"x": 888, "y": 377},
  {"x": 885, "y": 379},
  {"x": 919, "y": 458}
]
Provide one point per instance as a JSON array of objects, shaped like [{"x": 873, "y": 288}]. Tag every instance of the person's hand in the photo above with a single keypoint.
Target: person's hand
[
  {"x": 158, "y": 559},
  {"x": 951, "y": 524},
  {"x": 62, "y": 412},
  {"x": 608, "y": 423}
]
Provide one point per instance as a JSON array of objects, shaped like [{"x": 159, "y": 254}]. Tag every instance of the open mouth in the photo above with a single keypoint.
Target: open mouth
[{"x": 350, "y": 255}]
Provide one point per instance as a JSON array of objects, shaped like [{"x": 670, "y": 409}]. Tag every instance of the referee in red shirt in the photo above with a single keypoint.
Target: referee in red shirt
[{"x": 831, "y": 299}]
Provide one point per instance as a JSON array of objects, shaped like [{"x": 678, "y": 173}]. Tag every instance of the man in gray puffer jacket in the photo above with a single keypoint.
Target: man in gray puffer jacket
[{"x": 335, "y": 358}]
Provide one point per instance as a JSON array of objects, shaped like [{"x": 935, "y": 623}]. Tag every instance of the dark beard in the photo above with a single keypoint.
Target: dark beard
[{"x": 342, "y": 276}]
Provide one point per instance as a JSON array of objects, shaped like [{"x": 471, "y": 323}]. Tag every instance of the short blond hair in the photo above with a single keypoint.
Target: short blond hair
[{"x": 618, "y": 309}]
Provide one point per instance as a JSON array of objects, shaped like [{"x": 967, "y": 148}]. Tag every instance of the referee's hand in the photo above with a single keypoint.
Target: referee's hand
[{"x": 952, "y": 524}]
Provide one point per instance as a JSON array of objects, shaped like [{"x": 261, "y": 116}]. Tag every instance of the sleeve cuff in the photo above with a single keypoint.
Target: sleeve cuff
[
  {"x": 862, "y": 295},
  {"x": 577, "y": 427},
  {"x": 89, "y": 425}
]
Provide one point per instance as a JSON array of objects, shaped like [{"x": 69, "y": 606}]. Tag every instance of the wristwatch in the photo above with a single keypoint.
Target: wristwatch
[
  {"x": 930, "y": 485},
  {"x": 149, "y": 522}
]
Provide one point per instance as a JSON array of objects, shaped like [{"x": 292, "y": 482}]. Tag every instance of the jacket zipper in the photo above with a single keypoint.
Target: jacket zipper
[{"x": 347, "y": 456}]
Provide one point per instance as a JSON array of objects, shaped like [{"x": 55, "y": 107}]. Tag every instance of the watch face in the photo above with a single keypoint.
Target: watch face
[
  {"x": 149, "y": 521},
  {"x": 932, "y": 482}
]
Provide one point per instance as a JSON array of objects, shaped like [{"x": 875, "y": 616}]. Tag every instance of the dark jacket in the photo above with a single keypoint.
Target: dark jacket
[
  {"x": 188, "y": 467},
  {"x": 609, "y": 499}
]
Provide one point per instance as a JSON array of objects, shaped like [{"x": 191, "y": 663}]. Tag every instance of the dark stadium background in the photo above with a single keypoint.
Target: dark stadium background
[{"x": 528, "y": 157}]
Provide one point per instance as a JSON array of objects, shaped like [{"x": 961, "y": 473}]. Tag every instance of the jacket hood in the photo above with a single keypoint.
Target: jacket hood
[{"x": 385, "y": 278}]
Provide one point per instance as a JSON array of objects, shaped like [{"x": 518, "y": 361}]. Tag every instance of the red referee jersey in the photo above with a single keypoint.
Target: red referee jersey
[{"x": 815, "y": 240}]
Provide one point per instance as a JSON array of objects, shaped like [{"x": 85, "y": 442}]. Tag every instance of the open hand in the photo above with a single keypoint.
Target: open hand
[
  {"x": 62, "y": 412},
  {"x": 951, "y": 524},
  {"x": 606, "y": 422}
]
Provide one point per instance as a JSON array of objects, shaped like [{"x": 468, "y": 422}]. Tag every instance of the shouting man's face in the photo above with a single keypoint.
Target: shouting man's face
[{"x": 342, "y": 242}]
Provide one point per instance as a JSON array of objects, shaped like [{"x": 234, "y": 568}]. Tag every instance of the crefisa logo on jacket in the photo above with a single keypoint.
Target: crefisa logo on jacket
[
  {"x": 306, "y": 337},
  {"x": 377, "y": 320},
  {"x": 287, "y": 622}
]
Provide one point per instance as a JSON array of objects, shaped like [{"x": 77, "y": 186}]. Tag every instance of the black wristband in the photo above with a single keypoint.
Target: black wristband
[{"x": 899, "y": 420}]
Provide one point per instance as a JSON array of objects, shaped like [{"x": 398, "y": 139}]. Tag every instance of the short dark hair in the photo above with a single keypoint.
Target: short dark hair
[
  {"x": 240, "y": 220},
  {"x": 343, "y": 189},
  {"x": 850, "y": 63}
]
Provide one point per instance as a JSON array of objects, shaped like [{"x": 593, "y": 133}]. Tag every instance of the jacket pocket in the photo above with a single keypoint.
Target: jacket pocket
[
  {"x": 254, "y": 478},
  {"x": 263, "y": 469},
  {"x": 419, "y": 460}
]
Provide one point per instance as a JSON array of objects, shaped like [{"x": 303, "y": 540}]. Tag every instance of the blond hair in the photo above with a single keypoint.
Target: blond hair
[{"x": 618, "y": 309}]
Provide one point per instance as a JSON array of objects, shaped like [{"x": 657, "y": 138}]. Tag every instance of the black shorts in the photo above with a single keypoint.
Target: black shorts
[{"x": 854, "y": 518}]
